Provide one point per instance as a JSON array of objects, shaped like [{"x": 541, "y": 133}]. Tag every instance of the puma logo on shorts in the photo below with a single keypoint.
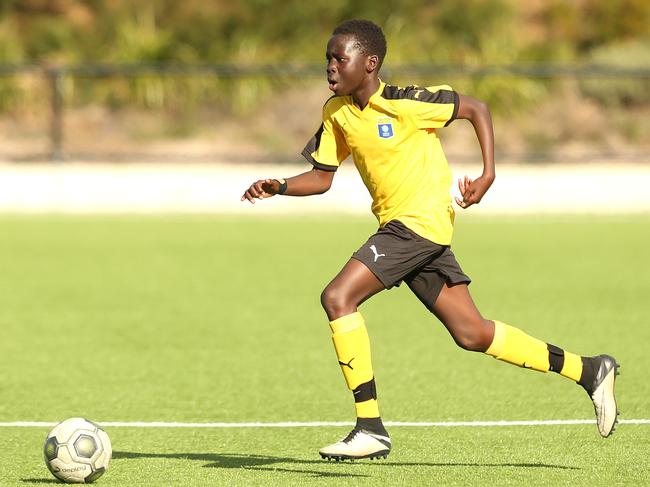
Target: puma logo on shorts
[
  {"x": 423, "y": 265},
  {"x": 374, "y": 251}
]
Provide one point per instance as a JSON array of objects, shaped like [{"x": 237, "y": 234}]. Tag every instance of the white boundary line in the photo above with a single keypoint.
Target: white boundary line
[{"x": 317, "y": 424}]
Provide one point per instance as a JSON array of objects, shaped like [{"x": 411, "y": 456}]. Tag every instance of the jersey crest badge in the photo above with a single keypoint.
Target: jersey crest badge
[{"x": 385, "y": 127}]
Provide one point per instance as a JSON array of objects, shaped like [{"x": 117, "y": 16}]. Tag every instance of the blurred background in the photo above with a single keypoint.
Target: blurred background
[{"x": 161, "y": 81}]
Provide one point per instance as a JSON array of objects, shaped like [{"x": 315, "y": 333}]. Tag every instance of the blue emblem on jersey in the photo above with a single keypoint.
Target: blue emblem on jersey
[{"x": 385, "y": 127}]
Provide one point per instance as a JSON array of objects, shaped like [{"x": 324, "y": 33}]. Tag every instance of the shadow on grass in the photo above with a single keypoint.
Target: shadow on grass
[
  {"x": 264, "y": 462},
  {"x": 40, "y": 481},
  {"x": 236, "y": 460}
]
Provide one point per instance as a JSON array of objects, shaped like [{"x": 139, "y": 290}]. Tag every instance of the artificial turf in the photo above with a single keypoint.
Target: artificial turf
[{"x": 217, "y": 319}]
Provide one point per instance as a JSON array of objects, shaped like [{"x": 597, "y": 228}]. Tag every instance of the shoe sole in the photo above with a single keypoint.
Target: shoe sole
[
  {"x": 379, "y": 455},
  {"x": 608, "y": 384}
]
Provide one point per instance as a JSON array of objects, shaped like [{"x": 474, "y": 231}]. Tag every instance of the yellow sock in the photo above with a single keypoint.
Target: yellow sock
[
  {"x": 512, "y": 345},
  {"x": 352, "y": 346}
]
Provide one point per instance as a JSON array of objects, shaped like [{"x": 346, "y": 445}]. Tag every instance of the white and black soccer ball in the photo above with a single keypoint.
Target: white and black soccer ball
[{"x": 77, "y": 451}]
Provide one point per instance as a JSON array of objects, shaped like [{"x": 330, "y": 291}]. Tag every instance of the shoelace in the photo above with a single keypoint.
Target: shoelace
[{"x": 351, "y": 435}]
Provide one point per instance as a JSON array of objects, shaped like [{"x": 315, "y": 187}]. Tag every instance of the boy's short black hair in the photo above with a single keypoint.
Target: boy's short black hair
[{"x": 369, "y": 36}]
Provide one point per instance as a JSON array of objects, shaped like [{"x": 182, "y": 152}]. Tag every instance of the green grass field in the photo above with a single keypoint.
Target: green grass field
[{"x": 217, "y": 319}]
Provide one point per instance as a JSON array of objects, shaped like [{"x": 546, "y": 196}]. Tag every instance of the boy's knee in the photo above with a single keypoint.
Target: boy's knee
[
  {"x": 328, "y": 299},
  {"x": 470, "y": 343},
  {"x": 475, "y": 338},
  {"x": 334, "y": 302}
]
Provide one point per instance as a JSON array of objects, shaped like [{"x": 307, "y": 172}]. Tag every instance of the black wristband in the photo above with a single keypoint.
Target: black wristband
[{"x": 283, "y": 185}]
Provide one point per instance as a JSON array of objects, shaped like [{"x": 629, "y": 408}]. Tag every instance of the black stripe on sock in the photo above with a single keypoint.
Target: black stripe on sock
[
  {"x": 365, "y": 391},
  {"x": 555, "y": 358}
]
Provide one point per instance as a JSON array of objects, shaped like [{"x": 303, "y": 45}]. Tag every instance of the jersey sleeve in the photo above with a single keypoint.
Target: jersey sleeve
[
  {"x": 327, "y": 148},
  {"x": 437, "y": 106}
]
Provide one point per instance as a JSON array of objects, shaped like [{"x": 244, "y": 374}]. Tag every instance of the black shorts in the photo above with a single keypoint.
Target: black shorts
[{"x": 395, "y": 254}]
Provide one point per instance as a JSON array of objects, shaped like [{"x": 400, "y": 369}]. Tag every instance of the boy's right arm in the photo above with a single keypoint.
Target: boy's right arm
[{"x": 315, "y": 181}]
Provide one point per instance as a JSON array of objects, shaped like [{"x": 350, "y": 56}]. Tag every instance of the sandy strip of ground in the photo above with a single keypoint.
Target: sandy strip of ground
[{"x": 77, "y": 187}]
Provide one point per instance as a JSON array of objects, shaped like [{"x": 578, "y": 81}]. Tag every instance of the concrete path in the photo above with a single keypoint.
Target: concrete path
[{"x": 75, "y": 187}]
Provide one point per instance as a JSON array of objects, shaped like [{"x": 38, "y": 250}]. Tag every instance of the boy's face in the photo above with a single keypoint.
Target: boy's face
[{"x": 347, "y": 66}]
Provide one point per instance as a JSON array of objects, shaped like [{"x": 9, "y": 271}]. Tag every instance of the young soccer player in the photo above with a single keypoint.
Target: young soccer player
[{"x": 391, "y": 134}]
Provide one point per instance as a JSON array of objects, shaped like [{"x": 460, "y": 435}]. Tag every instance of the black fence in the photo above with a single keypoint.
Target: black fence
[{"x": 56, "y": 74}]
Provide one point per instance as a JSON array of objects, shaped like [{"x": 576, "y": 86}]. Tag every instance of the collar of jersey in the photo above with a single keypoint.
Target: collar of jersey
[{"x": 372, "y": 99}]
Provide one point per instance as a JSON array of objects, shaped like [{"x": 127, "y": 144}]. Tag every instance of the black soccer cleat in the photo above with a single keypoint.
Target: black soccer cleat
[
  {"x": 356, "y": 445},
  {"x": 601, "y": 392}
]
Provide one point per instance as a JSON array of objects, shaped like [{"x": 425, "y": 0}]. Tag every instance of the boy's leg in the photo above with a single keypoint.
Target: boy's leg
[
  {"x": 352, "y": 286},
  {"x": 455, "y": 308}
]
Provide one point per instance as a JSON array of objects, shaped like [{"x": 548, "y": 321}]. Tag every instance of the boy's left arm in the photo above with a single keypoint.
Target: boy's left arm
[{"x": 478, "y": 114}]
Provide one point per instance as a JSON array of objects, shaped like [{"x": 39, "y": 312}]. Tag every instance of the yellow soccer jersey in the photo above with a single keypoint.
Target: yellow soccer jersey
[{"x": 395, "y": 148}]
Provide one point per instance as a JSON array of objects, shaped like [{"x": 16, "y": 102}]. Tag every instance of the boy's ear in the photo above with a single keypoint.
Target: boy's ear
[{"x": 372, "y": 62}]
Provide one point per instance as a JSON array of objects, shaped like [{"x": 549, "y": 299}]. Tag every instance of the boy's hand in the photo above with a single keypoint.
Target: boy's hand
[
  {"x": 264, "y": 188},
  {"x": 472, "y": 191}
]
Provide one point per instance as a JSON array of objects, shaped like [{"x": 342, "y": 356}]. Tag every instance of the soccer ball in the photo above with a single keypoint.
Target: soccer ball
[{"x": 77, "y": 451}]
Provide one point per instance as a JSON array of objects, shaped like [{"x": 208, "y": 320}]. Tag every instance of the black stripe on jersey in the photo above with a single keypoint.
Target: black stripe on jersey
[
  {"x": 419, "y": 94},
  {"x": 456, "y": 106},
  {"x": 323, "y": 167},
  {"x": 311, "y": 147},
  {"x": 416, "y": 93}
]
